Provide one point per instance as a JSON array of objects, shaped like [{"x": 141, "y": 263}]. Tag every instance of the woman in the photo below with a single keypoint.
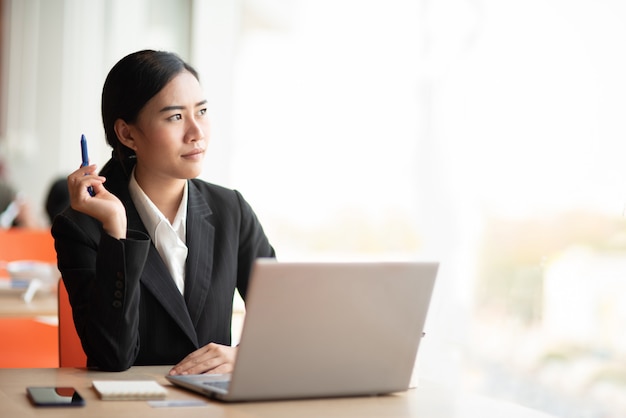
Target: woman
[{"x": 151, "y": 261}]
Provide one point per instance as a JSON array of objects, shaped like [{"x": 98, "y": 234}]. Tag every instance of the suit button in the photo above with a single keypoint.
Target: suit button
[
  {"x": 120, "y": 275},
  {"x": 117, "y": 304},
  {"x": 119, "y": 284},
  {"x": 118, "y": 294}
]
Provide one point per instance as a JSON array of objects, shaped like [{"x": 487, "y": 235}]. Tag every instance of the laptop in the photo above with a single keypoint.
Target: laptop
[{"x": 325, "y": 329}]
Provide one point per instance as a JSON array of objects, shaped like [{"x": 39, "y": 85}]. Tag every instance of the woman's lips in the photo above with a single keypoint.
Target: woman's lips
[{"x": 194, "y": 153}]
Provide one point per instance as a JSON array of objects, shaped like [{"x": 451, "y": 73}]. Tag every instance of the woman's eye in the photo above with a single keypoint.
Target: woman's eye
[
  {"x": 202, "y": 111},
  {"x": 177, "y": 116}
]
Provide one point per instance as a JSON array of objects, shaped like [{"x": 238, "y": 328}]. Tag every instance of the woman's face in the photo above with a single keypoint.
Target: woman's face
[{"x": 171, "y": 134}]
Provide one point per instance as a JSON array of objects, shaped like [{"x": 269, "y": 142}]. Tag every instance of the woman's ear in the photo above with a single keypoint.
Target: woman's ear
[{"x": 124, "y": 134}]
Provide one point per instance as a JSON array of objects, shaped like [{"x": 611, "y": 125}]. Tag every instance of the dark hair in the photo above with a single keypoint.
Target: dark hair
[
  {"x": 58, "y": 198},
  {"x": 130, "y": 84}
]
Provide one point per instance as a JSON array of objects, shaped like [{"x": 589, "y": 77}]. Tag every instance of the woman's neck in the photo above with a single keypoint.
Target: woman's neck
[{"x": 164, "y": 193}]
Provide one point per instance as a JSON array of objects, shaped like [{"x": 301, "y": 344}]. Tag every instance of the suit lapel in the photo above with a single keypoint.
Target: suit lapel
[
  {"x": 157, "y": 279},
  {"x": 200, "y": 241}
]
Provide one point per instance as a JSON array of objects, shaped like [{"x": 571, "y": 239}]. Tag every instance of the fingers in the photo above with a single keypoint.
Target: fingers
[
  {"x": 83, "y": 171},
  {"x": 212, "y": 358},
  {"x": 80, "y": 180},
  {"x": 101, "y": 205}
]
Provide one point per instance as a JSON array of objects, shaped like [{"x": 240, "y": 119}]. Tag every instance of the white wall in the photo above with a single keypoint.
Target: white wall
[{"x": 56, "y": 55}]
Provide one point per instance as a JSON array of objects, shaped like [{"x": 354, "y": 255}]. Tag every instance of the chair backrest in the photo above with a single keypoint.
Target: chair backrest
[
  {"x": 71, "y": 352},
  {"x": 26, "y": 244}
]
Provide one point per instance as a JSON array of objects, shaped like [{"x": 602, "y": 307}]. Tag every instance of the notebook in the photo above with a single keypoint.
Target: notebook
[
  {"x": 325, "y": 329},
  {"x": 129, "y": 390}
]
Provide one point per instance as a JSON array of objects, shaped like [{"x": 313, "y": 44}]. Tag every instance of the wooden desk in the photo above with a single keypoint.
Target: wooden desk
[
  {"x": 427, "y": 401},
  {"x": 13, "y": 306}
]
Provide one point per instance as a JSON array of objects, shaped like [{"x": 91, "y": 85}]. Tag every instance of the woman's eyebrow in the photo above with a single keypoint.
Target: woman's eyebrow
[{"x": 177, "y": 107}]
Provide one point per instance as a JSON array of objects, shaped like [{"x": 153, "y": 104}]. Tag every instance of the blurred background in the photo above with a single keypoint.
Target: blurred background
[{"x": 484, "y": 134}]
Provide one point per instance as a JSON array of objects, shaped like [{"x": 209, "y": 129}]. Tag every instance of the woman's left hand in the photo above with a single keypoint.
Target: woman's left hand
[{"x": 212, "y": 358}]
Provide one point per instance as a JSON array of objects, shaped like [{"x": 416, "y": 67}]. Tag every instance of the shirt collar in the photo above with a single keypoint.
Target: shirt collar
[{"x": 151, "y": 216}]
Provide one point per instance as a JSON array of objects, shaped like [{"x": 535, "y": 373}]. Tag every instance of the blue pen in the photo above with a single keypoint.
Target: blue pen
[{"x": 85, "y": 156}]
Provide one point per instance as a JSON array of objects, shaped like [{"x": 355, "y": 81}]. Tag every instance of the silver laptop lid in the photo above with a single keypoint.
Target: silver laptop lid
[{"x": 331, "y": 329}]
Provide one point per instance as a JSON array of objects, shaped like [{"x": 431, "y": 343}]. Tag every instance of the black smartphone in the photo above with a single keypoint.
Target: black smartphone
[{"x": 55, "y": 396}]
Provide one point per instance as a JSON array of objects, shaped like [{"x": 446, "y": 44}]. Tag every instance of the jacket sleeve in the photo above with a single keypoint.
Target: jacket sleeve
[
  {"x": 253, "y": 244},
  {"x": 101, "y": 275}
]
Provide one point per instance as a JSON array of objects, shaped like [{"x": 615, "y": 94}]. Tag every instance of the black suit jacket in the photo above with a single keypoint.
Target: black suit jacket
[{"x": 126, "y": 306}]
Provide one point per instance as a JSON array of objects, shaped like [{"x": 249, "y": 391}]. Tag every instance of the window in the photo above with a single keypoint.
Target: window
[{"x": 486, "y": 135}]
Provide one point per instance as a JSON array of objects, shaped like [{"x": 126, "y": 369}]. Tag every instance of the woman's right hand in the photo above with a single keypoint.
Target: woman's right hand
[{"x": 103, "y": 205}]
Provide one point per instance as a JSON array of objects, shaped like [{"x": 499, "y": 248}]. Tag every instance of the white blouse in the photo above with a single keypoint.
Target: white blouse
[{"x": 169, "y": 239}]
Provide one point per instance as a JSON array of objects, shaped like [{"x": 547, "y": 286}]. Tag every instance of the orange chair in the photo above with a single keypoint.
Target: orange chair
[
  {"x": 71, "y": 352},
  {"x": 26, "y": 341},
  {"x": 26, "y": 244}
]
